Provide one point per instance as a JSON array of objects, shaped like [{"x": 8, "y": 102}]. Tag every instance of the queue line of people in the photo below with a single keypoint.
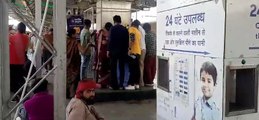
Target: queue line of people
[
  {"x": 129, "y": 47},
  {"x": 116, "y": 55}
]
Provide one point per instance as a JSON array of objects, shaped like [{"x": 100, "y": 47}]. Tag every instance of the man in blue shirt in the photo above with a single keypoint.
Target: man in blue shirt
[{"x": 118, "y": 51}]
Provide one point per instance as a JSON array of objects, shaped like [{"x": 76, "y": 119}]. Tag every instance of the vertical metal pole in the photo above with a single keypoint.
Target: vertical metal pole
[
  {"x": 136, "y": 15},
  {"x": 38, "y": 24},
  {"x": 59, "y": 23},
  {"x": 4, "y": 59},
  {"x": 101, "y": 14},
  {"x": 93, "y": 17}
]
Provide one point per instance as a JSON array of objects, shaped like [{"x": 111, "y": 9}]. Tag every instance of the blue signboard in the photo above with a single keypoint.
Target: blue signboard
[{"x": 77, "y": 23}]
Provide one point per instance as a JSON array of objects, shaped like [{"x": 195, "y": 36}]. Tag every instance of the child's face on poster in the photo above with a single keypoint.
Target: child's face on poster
[{"x": 207, "y": 84}]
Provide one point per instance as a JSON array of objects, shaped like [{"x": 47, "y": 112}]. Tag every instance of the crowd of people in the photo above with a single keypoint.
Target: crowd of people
[{"x": 115, "y": 57}]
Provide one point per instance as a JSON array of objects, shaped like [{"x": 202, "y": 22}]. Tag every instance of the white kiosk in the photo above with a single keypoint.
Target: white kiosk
[{"x": 208, "y": 54}]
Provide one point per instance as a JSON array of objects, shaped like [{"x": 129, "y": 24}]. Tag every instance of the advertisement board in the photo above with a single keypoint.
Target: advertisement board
[
  {"x": 77, "y": 23},
  {"x": 242, "y": 29},
  {"x": 192, "y": 30},
  {"x": 173, "y": 4}
]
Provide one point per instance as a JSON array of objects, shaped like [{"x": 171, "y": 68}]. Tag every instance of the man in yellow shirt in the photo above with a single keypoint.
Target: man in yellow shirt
[{"x": 134, "y": 55}]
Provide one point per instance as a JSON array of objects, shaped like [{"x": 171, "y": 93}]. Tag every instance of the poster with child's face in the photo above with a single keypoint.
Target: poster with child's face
[{"x": 208, "y": 88}]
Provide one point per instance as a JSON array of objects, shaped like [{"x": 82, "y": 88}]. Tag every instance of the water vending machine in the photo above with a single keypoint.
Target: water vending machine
[{"x": 208, "y": 57}]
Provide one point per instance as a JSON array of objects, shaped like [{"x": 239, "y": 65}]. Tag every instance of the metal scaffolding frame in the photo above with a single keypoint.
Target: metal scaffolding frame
[{"x": 59, "y": 54}]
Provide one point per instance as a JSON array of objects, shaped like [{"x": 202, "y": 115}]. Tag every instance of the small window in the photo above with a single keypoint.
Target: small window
[
  {"x": 163, "y": 74},
  {"x": 241, "y": 92}
]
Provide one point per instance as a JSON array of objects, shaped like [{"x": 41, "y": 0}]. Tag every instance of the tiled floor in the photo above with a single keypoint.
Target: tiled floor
[{"x": 131, "y": 110}]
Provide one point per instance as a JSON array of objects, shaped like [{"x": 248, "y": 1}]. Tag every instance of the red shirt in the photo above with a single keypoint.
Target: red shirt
[{"x": 18, "y": 44}]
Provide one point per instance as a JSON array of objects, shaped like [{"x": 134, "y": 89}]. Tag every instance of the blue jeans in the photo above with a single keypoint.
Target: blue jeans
[
  {"x": 85, "y": 59},
  {"x": 126, "y": 74}
]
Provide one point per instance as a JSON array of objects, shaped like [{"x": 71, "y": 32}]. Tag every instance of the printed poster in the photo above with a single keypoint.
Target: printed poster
[
  {"x": 182, "y": 71},
  {"x": 208, "y": 89},
  {"x": 194, "y": 29},
  {"x": 77, "y": 23}
]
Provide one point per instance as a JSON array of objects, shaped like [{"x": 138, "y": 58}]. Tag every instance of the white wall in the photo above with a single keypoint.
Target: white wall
[
  {"x": 13, "y": 21},
  {"x": 111, "y": 8},
  {"x": 148, "y": 16}
]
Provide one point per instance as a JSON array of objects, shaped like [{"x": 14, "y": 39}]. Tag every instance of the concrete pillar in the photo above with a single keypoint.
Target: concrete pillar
[
  {"x": 38, "y": 19},
  {"x": 107, "y": 9},
  {"x": 4, "y": 59},
  {"x": 59, "y": 23}
]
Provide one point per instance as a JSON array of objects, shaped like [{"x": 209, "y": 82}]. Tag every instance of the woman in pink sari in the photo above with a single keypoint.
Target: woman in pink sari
[{"x": 102, "y": 62}]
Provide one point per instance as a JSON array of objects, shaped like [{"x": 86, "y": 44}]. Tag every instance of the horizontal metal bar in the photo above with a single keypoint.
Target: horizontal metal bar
[
  {"x": 242, "y": 67},
  {"x": 241, "y": 112}
]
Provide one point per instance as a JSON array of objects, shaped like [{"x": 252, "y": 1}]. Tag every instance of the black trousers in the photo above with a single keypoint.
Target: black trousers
[
  {"x": 16, "y": 76},
  {"x": 134, "y": 70},
  {"x": 120, "y": 59},
  {"x": 46, "y": 54}
]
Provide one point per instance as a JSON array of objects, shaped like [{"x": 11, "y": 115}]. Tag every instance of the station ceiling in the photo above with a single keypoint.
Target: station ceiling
[{"x": 28, "y": 6}]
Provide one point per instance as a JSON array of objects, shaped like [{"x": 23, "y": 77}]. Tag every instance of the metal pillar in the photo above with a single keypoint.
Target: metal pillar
[
  {"x": 38, "y": 17},
  {"x": 59, "y": 23},
  {"x": 101, "y": 14},
  {"x": 4, "y": 59}
]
